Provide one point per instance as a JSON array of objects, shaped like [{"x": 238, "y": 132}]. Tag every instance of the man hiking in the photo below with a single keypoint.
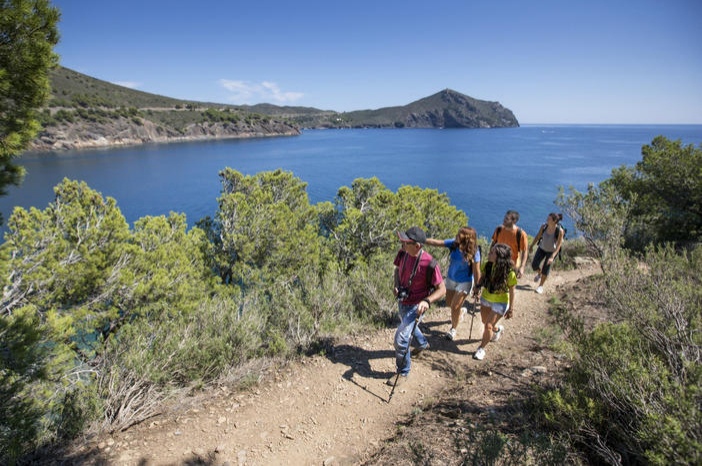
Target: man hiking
[
  {"x": 418, "y": 284},
  {"x": 510, "y": 234}
]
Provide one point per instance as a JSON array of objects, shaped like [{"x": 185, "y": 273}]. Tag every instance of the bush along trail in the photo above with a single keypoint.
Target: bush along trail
[{"x": 336, "y": 409}]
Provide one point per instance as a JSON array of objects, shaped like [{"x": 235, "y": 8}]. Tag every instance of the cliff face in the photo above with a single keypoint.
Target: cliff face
[
  {"x": 450, "y": 109},
  {"x": 445, "y": 109},
  {"x": 85, "y": 112},
  {"x": 125, "y": 132}
]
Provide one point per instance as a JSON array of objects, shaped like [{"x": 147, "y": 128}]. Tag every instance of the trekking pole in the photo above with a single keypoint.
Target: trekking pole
[
  {"x": 472, "y": 316},
  {"x": 409, "y": 343}
]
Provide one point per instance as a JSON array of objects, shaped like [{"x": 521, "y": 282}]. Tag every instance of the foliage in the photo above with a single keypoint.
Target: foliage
[
  {"x": 367, "y": 217},
  {"x": 316, "y": 263},
  {"x": 85, "y": 282},
  {"x": 633, "y": 393},
  {"x": 599, "y": 215},
  {"x": 665, "y": 192},
  {"x": 27, "y": 36},
  {"x": 265, "y": 228},
  {"x": 487, "y": 445},
  {"x": 22, "y": 361},
  {"x": 72, "y": 89},
  {"x": 362, "y": 222},
  {"x": 100, "y": 324}
]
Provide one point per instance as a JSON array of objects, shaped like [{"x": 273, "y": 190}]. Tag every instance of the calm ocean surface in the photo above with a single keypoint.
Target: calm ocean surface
[{"x": 484, "y": 172}]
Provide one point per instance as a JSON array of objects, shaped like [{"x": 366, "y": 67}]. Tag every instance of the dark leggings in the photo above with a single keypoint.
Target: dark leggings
[{"x": 541, "y": 255}]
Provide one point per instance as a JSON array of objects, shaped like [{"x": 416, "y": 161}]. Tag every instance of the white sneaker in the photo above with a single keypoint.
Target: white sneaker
[
  {"x": 479, "y": 354},
  {"x": 540, "y": 289},
  {"x": 451, "y": 334},
  {"x": 497, "y": 333}
]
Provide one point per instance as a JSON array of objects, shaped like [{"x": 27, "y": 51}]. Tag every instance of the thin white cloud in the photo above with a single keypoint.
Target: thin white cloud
[
  {"x": 243, "y": 92},
  {"x": 129, "y": 84}
]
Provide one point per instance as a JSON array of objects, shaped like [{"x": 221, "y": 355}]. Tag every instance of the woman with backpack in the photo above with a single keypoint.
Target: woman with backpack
[
  {"x": 496, "y": 290},
  {"x": 549, "y": 238},
  {"x": 464, "y": 269}
]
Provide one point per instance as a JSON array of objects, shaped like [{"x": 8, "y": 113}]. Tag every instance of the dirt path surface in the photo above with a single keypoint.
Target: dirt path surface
[{"x": 333, "y": 409}]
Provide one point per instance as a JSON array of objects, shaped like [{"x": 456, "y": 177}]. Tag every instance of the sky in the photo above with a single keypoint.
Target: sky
[{"x": 549, "y": 61}]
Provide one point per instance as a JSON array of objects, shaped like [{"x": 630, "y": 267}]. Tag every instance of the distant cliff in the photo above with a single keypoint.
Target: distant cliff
[
  {"x": 445, "y": 109},
  {"x": 85, "y": 112},
  {"x": 83, "y": 134}
]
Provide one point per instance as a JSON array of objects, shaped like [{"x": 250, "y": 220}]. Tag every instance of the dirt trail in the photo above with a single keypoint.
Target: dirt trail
[{"x": 333, "y": 409}]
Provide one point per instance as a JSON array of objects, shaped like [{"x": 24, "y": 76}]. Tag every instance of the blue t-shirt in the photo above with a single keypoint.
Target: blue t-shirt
[{"x": 459, "y": 269}]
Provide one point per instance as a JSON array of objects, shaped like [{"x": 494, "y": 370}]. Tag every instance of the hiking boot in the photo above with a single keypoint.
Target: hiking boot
[
  {"x": 400, "y": 380},
  {"x": 497, "y": 334},
  {"x": 451, "y": 334},
  {"x": 537, "y": 277},
  {"x": 479, "y": 354},
  {"x": 540, "y": 289},
  {"x": 418, "y": 350}
]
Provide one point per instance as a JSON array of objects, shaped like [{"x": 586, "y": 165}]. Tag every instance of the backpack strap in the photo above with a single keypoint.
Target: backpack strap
[
  {"x": 495, "y": 235},
  {"x": 540, "y": 234},
  {"x": 430, "y": 275},
  {"x": 519, "y": 238}
]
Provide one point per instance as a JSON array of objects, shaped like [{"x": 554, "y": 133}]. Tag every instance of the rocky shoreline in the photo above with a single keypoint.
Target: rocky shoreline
[{"x": 127, "y": 132}]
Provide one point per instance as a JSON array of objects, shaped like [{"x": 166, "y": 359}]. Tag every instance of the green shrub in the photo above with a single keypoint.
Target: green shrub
[
  {"x": 665, "y": 193},
  {"x": 488, "y": 446},
  {"x": 114, "y": 321},
  {"x": 633, "y": 392}
]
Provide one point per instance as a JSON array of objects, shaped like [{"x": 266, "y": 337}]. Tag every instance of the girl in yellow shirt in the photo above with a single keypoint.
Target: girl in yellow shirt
[{"x": 496, "y": 289}]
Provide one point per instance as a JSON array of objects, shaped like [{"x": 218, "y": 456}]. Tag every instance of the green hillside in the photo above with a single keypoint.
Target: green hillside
[
  {"x": 445, "y": 109},
  {"x": 73, "y": 90}
]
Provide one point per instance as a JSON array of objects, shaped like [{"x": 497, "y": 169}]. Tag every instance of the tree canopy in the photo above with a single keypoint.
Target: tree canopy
[
  {"x": 664, "y": 190},
  {"x": 28, "y": 34}
]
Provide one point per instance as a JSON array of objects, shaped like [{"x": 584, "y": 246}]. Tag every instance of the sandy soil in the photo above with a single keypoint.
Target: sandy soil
[{"x": 335, "y": 409}]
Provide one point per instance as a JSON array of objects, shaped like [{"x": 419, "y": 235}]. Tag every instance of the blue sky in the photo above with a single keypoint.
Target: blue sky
[{"x": 549, "y": 61}]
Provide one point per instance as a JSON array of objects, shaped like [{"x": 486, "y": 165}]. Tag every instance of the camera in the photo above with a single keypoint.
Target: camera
[{"x": 402, "y": 293}]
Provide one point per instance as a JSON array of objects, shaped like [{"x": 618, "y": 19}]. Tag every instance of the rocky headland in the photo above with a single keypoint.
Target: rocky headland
[
  {"x": 85, "y": 113},
  {"x": 128, "y": 132}
]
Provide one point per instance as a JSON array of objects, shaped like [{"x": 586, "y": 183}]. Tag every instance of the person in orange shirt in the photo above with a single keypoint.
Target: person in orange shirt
[{"x": 510, "y": 234}]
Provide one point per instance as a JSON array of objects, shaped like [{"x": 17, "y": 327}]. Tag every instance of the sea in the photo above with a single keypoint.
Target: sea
[{"x": 484, "y": 172}]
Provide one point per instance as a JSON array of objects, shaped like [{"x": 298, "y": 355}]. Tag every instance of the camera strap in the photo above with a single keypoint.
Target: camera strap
[{"x": 414, "y": 269}]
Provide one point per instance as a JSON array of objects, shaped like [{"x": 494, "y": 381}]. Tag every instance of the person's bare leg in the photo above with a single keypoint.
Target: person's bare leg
[
  {"x": 456, "y": 304},
  {"x": 543, "y": 279},
  {"x": 486, "y": 315}
]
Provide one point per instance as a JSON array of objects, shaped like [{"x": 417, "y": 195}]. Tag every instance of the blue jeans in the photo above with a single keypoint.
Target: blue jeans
[{"x": 408, "y": 314}]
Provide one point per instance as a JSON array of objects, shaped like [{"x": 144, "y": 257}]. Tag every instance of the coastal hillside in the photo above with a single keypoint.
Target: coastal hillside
[
  {"x": 85, "y": 112},
  {"x": 445, "y": 109}
]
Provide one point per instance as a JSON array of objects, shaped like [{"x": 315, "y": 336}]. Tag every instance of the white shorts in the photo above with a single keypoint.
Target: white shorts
[
  {"x": 499, "y": 308},
  {"x": 461, "y": 287}
]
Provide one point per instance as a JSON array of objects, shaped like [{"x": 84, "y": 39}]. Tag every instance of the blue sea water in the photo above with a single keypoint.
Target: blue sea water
[{"x": 484, "y": 172}]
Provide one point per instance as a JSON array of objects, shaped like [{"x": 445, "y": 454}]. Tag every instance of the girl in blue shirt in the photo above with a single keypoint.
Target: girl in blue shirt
[{"x": 464, "y": 269}]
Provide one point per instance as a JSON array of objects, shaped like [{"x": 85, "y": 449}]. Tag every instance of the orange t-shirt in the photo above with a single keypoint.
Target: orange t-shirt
[{"x": 509, "y": 237}]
